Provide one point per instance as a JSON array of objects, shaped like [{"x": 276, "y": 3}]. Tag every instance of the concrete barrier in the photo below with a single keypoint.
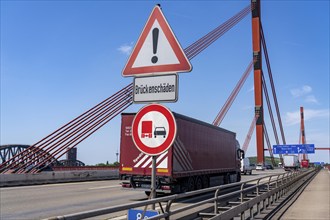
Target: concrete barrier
[{"x": 56, "y": 177}]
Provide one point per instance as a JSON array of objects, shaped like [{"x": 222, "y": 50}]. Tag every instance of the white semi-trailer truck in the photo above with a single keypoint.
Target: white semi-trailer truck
[{"x": 291, "y": 162}]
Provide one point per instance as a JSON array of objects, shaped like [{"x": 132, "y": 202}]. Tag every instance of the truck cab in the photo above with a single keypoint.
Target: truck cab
[{"x": 245, "y": 166}]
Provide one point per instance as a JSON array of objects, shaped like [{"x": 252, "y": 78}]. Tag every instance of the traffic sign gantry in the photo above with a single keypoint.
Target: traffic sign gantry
[
  {"x": 294, "y": 149},
  {"x": 153, "y": 129},
  {"x": 157, "y": 50}
]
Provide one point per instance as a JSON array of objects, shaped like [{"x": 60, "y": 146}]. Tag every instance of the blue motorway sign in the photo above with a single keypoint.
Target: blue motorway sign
[
  {"x": 294, "y": 149},
  {"x": 135, "y": 214}
]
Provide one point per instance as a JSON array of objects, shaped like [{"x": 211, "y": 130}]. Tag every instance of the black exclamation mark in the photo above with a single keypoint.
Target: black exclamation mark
[{"x": 155, "y": 33}]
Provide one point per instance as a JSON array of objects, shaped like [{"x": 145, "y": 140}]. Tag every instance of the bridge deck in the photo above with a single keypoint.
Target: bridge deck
[{"x": 314, "y": 202}]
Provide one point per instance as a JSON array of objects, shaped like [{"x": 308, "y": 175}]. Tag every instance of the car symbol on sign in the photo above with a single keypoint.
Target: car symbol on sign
[{"x": 160, "y": 131}]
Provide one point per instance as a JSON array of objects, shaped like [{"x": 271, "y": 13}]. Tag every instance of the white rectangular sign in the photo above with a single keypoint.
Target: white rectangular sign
[{"x": 162, "y": 88}]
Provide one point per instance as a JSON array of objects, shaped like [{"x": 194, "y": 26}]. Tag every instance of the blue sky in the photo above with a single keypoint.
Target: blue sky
[{"x": 60, "y": 58}]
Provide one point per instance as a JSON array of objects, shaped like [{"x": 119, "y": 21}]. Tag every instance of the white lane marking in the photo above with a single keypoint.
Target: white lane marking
[
  {"x": 44, "y": 185},
  {"x": 103, "y": 187},
  {"x": 47, "y": 185},
  {"x": 124, "y": 217}
]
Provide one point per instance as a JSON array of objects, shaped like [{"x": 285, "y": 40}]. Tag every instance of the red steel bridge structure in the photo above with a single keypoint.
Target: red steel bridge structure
[{"x": 47, "y": 151}]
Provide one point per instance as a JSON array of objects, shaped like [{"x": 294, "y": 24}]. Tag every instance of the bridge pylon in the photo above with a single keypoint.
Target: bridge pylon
[{"x": 258, "y": 94}]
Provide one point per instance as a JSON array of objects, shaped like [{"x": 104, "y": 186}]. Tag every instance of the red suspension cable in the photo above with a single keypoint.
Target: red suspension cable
[
  {"x": 26, "y": 156},
  {"x": 270, "y": 150},
  {"x": 205, "y": 41},
  {"x": 250, "y": 132},
  {"x": 58, "y": 146},
  {"x": 47, "y": 143},
  {"x": 270, "y": 109},
  {"x": 33, "y": 150},
  {"x": 86, "y": 133},
  {"x": 218, "y": 119},
  {"x": 263, "y": 41}
]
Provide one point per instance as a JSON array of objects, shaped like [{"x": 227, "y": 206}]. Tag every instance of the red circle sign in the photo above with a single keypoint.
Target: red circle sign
[{"x": 153, "y": 129}]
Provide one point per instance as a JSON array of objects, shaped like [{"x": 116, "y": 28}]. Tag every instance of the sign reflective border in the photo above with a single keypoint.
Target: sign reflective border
[
  {"x": 154, "y": 129},
  {"x": 157, "y": 50}
]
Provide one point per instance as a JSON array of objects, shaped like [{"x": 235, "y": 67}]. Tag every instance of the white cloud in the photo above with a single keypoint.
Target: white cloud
[
  {"x": 292, "y": 118},
  {"x": 311, "y": 99},
  {"x": 126, "y": 48},
  {"x": 251, "y": 89},
  {"x": 301, "y": 91}
]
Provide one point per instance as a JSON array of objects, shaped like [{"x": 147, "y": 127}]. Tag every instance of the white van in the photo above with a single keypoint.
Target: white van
[{"x": 245, "y": 166}]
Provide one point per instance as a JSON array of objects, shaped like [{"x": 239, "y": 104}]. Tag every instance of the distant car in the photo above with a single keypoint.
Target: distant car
[
  {"x": 253, "y": 166},
  {"x": 260, "y": 167},
  {"x": 160, "y": 131},
  {"x": 269, "y": 167}
]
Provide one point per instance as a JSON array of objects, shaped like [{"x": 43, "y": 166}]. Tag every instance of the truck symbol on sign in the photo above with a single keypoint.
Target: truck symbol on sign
[{"x": 146, "y": 129}]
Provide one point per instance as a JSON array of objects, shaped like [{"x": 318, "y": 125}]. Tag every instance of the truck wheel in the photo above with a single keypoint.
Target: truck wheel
[
  {"x": 198, "y": 183},
  {"x": 227, "y": 178},
  {"x": 187, "y": 185},
  {"x": 238, "y": 179},
  {"x": 191, "y": 184},
  {"x": 206, "y": 182}
]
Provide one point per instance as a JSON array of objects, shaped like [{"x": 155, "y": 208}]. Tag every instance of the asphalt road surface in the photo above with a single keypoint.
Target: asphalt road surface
[{"x": 44, "y": 201}]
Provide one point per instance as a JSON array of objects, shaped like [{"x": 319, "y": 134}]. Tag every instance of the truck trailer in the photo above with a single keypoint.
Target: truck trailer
[
  {"x": 202, "y": 155},
  {"x": 291, "y": 162},
  {"x": 304, "y": 163}
]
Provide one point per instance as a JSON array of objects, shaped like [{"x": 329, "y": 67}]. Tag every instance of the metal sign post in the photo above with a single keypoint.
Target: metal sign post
[
  {"x": 157, "y": 52},
  {"x": 153, "y": 180},
  {"x": 157, "y": 141}
]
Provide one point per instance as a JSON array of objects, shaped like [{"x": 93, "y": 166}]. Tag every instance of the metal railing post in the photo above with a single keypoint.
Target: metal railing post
[
  {"x": 251, "y": 213},
  {"x": 277, "y": 185},
  {"x": 216, "y": 207},
  {"x": 268, "y": 189},
  {"x": 287, "y": 183},
  {"x": 258, "y": 204},
  {"x": 258, "y": 186},
  {"x": 242, "y": 185},
  {"x": 242, "y": 200},
  {"x": 168, "y": 207},
  {"x": 282, "y": 184}
]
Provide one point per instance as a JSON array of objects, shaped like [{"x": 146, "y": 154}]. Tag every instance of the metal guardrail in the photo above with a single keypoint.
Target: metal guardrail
[
  {"x": 275, "y": 188},
  {"x": 47, "y": 177},
  {"x": 266, "y": 190}
]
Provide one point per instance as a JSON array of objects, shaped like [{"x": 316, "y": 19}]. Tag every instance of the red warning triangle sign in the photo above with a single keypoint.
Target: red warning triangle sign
[{"x": 157, "y": 50}]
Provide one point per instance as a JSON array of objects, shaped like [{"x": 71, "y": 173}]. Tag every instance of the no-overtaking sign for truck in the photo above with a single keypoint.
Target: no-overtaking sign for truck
[{"x": 153, "y": 129}]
